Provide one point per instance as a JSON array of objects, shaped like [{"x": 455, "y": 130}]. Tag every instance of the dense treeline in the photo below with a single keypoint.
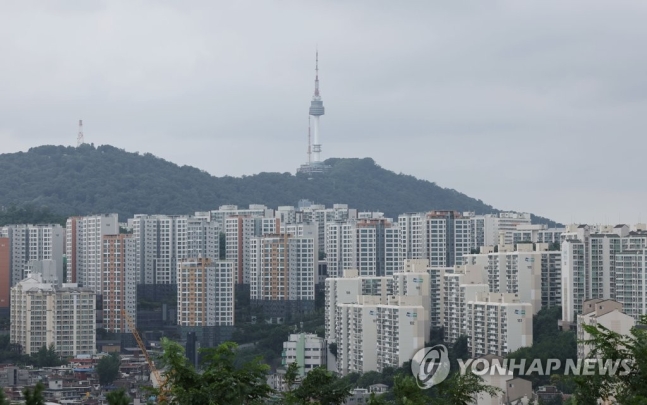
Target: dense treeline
[
  {"x": 29, "y": 214},
  {"x": 85, "y": 180}
]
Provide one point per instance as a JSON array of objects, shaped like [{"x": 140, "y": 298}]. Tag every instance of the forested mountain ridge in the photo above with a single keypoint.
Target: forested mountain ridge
[{"x": 87, "y": 179}]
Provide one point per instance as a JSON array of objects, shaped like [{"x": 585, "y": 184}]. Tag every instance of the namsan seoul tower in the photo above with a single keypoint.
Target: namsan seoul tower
[
  {"x": 316, "y": 111},
  {"x": 315, "y": 164}
]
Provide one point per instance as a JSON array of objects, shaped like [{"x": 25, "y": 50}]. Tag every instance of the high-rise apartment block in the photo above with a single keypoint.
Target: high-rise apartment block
[
  {"x": 601, "y": 262},
  {"x": 239, "y": 230},
  {"x": 31, "y": 243},
  {"x": 119, "y": 277},
  {"x": 532, "y": 272},
  {"x": 83, "y": 248},
  {"x": 341, "y": 247},
  {"x": 373, "y": 334},
  {"x": 459, "y": 288},
  {"x": 163, "y": 240},
  {"x": 497, "y": 324},
  {"x": 5, "y": 275},
  {"x": 377, "y": 322},
  {"x": 205, "y": 299},
  {"x": 495, "y": 229},
  {"x": 537, "y": 234},
  {"x": 225, "y": 211},
  {"x": 43, "y": 314},
  {"x": 282, "y": 274}
]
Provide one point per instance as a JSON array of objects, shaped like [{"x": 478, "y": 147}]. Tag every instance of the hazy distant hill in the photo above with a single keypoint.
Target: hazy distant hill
[{"x": 86, "y": 180}]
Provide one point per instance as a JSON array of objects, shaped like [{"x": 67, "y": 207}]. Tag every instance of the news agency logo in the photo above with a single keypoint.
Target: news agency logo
[{"x": 430, "y": 366}]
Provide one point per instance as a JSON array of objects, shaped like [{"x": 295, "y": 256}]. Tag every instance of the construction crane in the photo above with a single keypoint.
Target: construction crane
[{"x": 156, "y": 374}]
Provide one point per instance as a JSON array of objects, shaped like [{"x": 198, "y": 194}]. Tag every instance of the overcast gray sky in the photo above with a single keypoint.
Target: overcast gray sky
[{"x": 530, "y": 106}]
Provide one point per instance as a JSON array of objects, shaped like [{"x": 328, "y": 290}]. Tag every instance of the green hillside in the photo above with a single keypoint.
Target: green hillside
[{"x": 85, "y": 180}]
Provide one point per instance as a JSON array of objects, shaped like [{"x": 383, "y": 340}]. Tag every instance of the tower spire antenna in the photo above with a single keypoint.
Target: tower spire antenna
[
  {"x": 79, "y": 139},
  {"x": 317, "y": 73}
]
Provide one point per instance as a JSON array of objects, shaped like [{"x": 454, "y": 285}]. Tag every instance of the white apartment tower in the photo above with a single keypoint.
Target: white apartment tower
[
  {"x": 497, "y": 324},
  {"x": 83, "y": 248},
  {"x": 413, "y": 243},
  {"x": 535, "y": 275},
  {"x": 341, "y": 247},
  {"x": 589, "y": 269},
  {"x": 29, "y": 243},
  {"x": 163, "y": 240},
  {"x": 43, "y": 314}
]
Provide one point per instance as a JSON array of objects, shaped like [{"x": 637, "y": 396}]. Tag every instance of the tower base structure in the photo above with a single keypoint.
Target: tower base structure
[{"x": 313, "y": 168}]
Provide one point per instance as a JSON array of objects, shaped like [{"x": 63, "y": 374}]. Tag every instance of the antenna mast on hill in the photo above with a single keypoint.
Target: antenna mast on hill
[{"x": 79, "y": 139}]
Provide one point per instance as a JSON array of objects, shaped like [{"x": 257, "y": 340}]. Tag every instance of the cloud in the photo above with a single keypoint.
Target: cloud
[{"x": 518, "y": 104}]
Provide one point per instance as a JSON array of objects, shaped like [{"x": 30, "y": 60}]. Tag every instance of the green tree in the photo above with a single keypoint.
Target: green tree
[
  {"x": 220, "y": 381},
  {"x": 108, "y": 368},
  {"x": 462, "y": 389},
  {"x": 407, "y": 392},
  {"x": 3, "y": 398},
  {"x": 35, "y": 396},
  {"x": 118, "y": 397},
  {"x": 321, "y": 387},
  {"x": 627, "y": 385},
  {"x": 46, "y": 357}
]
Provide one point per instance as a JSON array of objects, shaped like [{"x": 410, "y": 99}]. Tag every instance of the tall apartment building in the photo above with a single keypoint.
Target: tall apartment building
[
  {"x": 372, "y": 244},
  {"x": 605, "y": 313},
  {"x": 378, "y": 321},
  {"x": 163, "y": 240},
  {"x": 495, "y": 229},
  {"x": 306, "y": 350},
  {"x": 532, "y": 273},
  {"x": 413, "y": 242},
  {"x": 30, "y": 243},
  {"x": 392, "y": 253},
  {"x": 205, "y": 299},
  {"x": 197, "y": 237},
  {"x": 239, "y": 230},
  {"x": 447, "y": 238},
  {"x": 373, "y": 334},
  {"x": 589, "y": 270},
  {"x": 631, "y": 282},
  {"x": 44, "y": 314},
  {"x": 341, "y": 247},
  {"x": 5, "y": 275},
  {"x": 282, "y": 274},
  {"x": 537, "y": 234},
  {"x": 119, "y": 277},
  {"x": 497, "y": 324},
  {"x": 225, "y": 211},
  {"x": 346, "y": 289},
  {"x": 459, "y": 288},
  {"x": 83, "y": 237}
]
